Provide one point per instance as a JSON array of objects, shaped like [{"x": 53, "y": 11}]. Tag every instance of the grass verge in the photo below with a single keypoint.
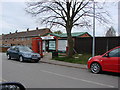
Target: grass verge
[{"x": 77, "y": 58}]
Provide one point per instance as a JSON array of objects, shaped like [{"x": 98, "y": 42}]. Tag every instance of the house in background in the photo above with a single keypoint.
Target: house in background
[{"x": 22, "y": 38}]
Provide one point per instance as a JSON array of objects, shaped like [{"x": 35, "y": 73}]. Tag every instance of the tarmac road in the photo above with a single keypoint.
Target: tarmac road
[{"x": 43, "y": 75}]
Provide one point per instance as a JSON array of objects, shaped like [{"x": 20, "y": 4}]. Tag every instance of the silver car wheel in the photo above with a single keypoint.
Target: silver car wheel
[
  {"x": 95, "y": 68},
  {"x": 21, "y": 59},
  {"x": 8, "y": 57}
]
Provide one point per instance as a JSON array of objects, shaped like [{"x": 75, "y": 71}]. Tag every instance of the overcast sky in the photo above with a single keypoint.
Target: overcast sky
[{"x": 13, "y": 17}]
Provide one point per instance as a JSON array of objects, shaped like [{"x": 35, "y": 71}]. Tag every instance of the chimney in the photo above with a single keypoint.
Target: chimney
[
  {"x": 27, "y": 29},
  {"x": 36, "y": 28},
  {"x": 16, "y": 31}
]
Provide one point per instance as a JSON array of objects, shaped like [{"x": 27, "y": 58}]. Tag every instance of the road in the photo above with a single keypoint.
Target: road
[{"x": 42, "y": 75}]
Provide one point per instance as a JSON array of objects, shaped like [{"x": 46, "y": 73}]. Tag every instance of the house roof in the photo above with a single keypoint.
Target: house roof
[
  {"x": 27, "y": 33},
  {"x": 75, "y": 34}
]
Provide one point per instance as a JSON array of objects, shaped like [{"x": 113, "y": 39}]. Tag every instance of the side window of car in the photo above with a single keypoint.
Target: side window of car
[
  {"x": 115, "y": 53},
  {"x": 12, "y": 48},
  {"x": 16, "y": 49}
]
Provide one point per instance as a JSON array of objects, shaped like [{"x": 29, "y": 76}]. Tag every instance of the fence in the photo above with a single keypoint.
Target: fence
[{"x": 102, "y": 44}]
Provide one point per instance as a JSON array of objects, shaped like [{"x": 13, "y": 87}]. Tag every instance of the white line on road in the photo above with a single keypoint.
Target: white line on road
[
  {"x": 110, "y": 86},
  {"x": 3, "y": 80}
]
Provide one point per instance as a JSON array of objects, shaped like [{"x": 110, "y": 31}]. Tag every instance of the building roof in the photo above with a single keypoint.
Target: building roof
[
  {"x": 29, "y": 33},
  {"x": 75, "y": 34},
  {"x": 53, "y": 34}
]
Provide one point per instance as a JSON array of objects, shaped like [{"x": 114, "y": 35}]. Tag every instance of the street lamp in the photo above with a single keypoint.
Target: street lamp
[{"x": 93, "y": 46}]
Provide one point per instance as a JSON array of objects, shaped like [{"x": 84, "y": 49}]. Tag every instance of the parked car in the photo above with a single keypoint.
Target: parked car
[
  {"x": 11, "y": 86},
  {"x": 110, "y": 61},
  {"x": 22, "y": 53}
]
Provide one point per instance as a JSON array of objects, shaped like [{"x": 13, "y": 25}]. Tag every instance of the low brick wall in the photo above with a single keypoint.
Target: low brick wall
[{"x": 3, "y": 49}]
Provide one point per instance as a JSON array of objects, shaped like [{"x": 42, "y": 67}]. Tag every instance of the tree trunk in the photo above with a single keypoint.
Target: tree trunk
[{"x": 70, "y": 44}]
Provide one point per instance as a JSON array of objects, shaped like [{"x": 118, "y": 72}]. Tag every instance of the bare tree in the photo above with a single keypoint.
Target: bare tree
[
  {"x": 67, "y": 13},
  {"x": 111, "y": 32}
]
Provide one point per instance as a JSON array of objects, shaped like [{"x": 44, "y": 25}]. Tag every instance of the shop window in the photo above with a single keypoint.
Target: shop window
[{"x": 52, "y": 45}]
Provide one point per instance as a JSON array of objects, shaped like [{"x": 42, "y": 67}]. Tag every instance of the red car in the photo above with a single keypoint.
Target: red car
[{"x": 110, "y": 61}]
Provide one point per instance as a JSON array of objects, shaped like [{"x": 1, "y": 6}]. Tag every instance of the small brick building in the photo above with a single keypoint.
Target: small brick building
[{"x": 58, "y": 42}]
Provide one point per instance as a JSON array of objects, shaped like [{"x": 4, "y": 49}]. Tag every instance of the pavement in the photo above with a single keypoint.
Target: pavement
[{"x": 48, "y": 59}]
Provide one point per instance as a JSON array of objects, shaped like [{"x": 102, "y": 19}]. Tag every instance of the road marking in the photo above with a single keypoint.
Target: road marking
[
  {"x": 3, "y": 80},
  {"x": 110, "y": 86}
]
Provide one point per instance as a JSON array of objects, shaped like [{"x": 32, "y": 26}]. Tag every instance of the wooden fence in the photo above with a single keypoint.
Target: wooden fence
[{"x": 102, "y": 44}]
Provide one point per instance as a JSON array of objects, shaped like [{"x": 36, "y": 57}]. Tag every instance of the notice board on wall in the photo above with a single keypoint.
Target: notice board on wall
[{"x": 52, "y": 45}]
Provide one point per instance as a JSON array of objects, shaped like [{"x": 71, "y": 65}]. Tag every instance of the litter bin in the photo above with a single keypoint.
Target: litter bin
[{"x": 54, "y": 54}]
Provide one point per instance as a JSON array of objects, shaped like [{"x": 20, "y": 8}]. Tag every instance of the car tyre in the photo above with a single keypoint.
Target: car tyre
[
  {"x": 8, "y": 57},
  {"x": 95, "y": 68},
  {"x": 36, "y": 61},
  {"x": 21, "y": 59}
]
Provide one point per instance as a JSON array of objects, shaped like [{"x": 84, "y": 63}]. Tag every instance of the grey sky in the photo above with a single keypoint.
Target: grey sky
[{"x": 13, "y": 17}]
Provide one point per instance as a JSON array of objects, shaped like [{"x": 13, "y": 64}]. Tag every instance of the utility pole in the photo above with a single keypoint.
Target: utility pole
[{"x": 93, "y": 46}]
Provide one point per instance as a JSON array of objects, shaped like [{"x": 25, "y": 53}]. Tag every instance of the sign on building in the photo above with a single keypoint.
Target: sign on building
[{"x": 47, "y": 37}]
